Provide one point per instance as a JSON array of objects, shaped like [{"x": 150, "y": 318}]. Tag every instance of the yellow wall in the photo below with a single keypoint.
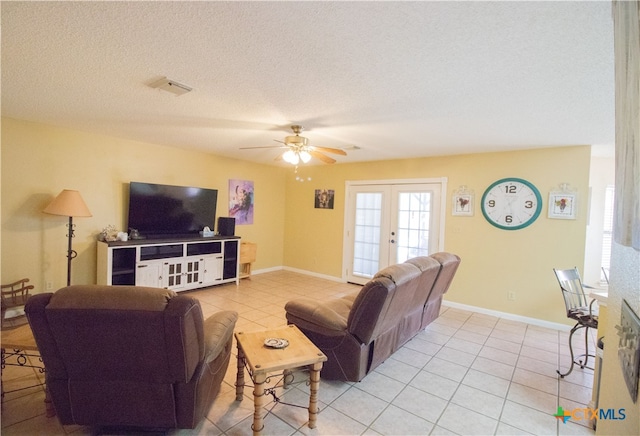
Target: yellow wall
[
  {"x": 494, "y": 261},
  {"x": 38, "y": 161}
]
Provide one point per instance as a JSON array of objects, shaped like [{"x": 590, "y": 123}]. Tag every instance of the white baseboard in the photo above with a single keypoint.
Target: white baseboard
[
  {"x": 506, "y": 315},
  {"x": 300, "y": 271},
  {"x": 313, "y": 274},
  {"x": 266, "y": 270}
]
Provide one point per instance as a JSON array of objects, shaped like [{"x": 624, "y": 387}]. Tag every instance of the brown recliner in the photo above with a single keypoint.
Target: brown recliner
[
  {"x": 359, "y": 331},
  {"x": 449, "y": 263},
  {"x": 132, "y": 357}
]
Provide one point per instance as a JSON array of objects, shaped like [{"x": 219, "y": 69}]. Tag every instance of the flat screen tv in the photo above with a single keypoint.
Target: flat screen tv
[{"x": 164, "y": 211}]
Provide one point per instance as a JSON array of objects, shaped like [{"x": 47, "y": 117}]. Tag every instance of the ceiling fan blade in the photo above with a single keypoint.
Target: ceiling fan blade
[
  {"x": 322, "y": 157},
  {"x": 330, "y": 150},
  {"x": 267, "y": 146}
]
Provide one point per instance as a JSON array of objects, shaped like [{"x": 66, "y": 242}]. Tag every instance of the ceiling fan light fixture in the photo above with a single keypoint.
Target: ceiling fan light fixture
[
  {"x": 291, "y": 157},
  {"x": 305, "y": 156},
  {"x": 296, "y": 140}
]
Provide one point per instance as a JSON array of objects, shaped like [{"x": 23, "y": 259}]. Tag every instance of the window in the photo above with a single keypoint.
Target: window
[{"x": 607, "y": 234}]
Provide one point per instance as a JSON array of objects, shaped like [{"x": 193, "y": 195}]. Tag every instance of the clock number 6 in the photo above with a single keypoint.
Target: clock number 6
[{"x": 508, "y": 219}]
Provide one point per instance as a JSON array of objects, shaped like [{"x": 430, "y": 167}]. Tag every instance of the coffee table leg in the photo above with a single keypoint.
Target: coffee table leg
[
  {"x": 258, "y": 395},
  {"x": 240, "y": 376},
  {"x": 314, "y": 385}
]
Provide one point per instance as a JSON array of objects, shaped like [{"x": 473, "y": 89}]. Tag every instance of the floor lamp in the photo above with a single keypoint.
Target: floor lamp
[{"x": 69, "y": 203}]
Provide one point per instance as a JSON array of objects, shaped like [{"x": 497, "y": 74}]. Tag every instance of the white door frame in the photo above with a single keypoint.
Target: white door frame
[{"x": 347, "y": 250}]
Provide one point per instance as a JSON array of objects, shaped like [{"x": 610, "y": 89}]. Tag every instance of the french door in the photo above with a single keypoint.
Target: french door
[{"x": 389, "y": 222}]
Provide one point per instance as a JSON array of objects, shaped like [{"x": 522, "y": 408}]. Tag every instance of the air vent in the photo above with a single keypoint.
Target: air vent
[{"x": 171, "y": 86}]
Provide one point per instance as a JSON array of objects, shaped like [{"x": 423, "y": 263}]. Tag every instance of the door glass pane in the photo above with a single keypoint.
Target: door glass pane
[
  {"x": 413, "y": 225},
  {"x": 367, "y": 233}
]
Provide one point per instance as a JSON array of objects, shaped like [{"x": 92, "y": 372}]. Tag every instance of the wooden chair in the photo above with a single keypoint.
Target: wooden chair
[{"x": 14, "y": 297}]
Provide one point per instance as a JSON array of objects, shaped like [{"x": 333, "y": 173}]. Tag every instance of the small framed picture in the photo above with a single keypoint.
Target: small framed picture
[
  {"x": 562, "y": 205},
  {"x": 324, "y": 198},
  {"x": 463, "y": 203}
]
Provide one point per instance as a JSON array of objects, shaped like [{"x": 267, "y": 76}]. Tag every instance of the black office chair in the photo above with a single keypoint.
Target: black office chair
[{"x": 578, "y": 309}]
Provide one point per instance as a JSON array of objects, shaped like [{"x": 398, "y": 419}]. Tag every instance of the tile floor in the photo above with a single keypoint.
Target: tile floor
[{"x": 467, "y": 373}]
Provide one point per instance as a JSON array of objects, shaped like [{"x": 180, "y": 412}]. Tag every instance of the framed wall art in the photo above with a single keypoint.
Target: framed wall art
[
  {"x": 241, "y": 201},
  {"x": 463, "y": 202},
  {"x": 563, "y": 203},
  {"x": 324, "y": 198}
]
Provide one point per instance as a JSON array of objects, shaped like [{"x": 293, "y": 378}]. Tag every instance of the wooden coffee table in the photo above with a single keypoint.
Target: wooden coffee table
[
  {"x": 21, "y": 341},
  {"x": 261, "y": 360}
]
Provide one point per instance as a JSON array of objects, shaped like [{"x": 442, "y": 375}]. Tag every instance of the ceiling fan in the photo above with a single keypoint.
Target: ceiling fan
[{"x": 299, "y": 150}]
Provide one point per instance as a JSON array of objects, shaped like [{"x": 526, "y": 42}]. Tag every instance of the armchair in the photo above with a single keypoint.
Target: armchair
[{"x": 130, "y": 357}]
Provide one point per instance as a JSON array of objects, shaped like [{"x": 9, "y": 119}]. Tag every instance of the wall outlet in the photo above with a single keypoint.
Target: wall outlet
[{"x": 511, "y": 295}]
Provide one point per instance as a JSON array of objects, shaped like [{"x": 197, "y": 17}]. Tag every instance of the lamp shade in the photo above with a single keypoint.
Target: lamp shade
[{"x": 68, "y": 203}]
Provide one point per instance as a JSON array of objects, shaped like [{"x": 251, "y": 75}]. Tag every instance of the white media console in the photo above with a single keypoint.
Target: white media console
[{"x": 176, "y": 264}]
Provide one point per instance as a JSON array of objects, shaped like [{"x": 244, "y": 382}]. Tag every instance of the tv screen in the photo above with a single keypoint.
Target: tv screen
[{"x": 158, "y": 211}]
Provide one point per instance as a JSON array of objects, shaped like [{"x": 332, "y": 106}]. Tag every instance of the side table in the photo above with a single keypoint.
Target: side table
[
  {"x": 21, "y": 340},
  {"x": 261, "y": 360}
]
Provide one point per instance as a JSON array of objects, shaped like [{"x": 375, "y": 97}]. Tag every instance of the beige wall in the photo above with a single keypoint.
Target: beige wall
[
  {"x": 493, "y": 261},
  {"x": 38, "y": 161},
  {"x": 625, "y": 285},
  {"x": 625, "y": 260}
]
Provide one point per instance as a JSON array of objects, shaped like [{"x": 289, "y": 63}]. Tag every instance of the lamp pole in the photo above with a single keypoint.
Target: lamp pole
[{"x": 71, "y": 253}]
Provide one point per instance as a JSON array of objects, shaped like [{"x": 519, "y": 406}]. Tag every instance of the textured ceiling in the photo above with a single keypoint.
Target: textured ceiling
[{"x": 396, "y": 79}]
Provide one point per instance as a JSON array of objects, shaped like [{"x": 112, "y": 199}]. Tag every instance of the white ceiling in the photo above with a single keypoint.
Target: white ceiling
[{"x": 397, "y": 79}]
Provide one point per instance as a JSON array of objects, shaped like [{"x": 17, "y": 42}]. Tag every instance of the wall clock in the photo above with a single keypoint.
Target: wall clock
[{"x": 511, "y": 203}]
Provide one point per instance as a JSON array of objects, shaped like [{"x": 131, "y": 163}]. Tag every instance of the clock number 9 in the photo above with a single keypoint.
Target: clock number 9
[
  {"x": 491, "y": 203},
  {"x": 528, "y": 204},
  {"x": 510, "y": 189}
]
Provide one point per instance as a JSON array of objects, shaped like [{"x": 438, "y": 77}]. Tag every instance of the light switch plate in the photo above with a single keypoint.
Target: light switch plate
[{"x": 629, "y": 348}]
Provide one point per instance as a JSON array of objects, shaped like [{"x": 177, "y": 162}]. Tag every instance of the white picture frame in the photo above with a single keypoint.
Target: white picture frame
[
  {"x": 463, "y": 204},
  {"x": 563, "y": 205}
]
